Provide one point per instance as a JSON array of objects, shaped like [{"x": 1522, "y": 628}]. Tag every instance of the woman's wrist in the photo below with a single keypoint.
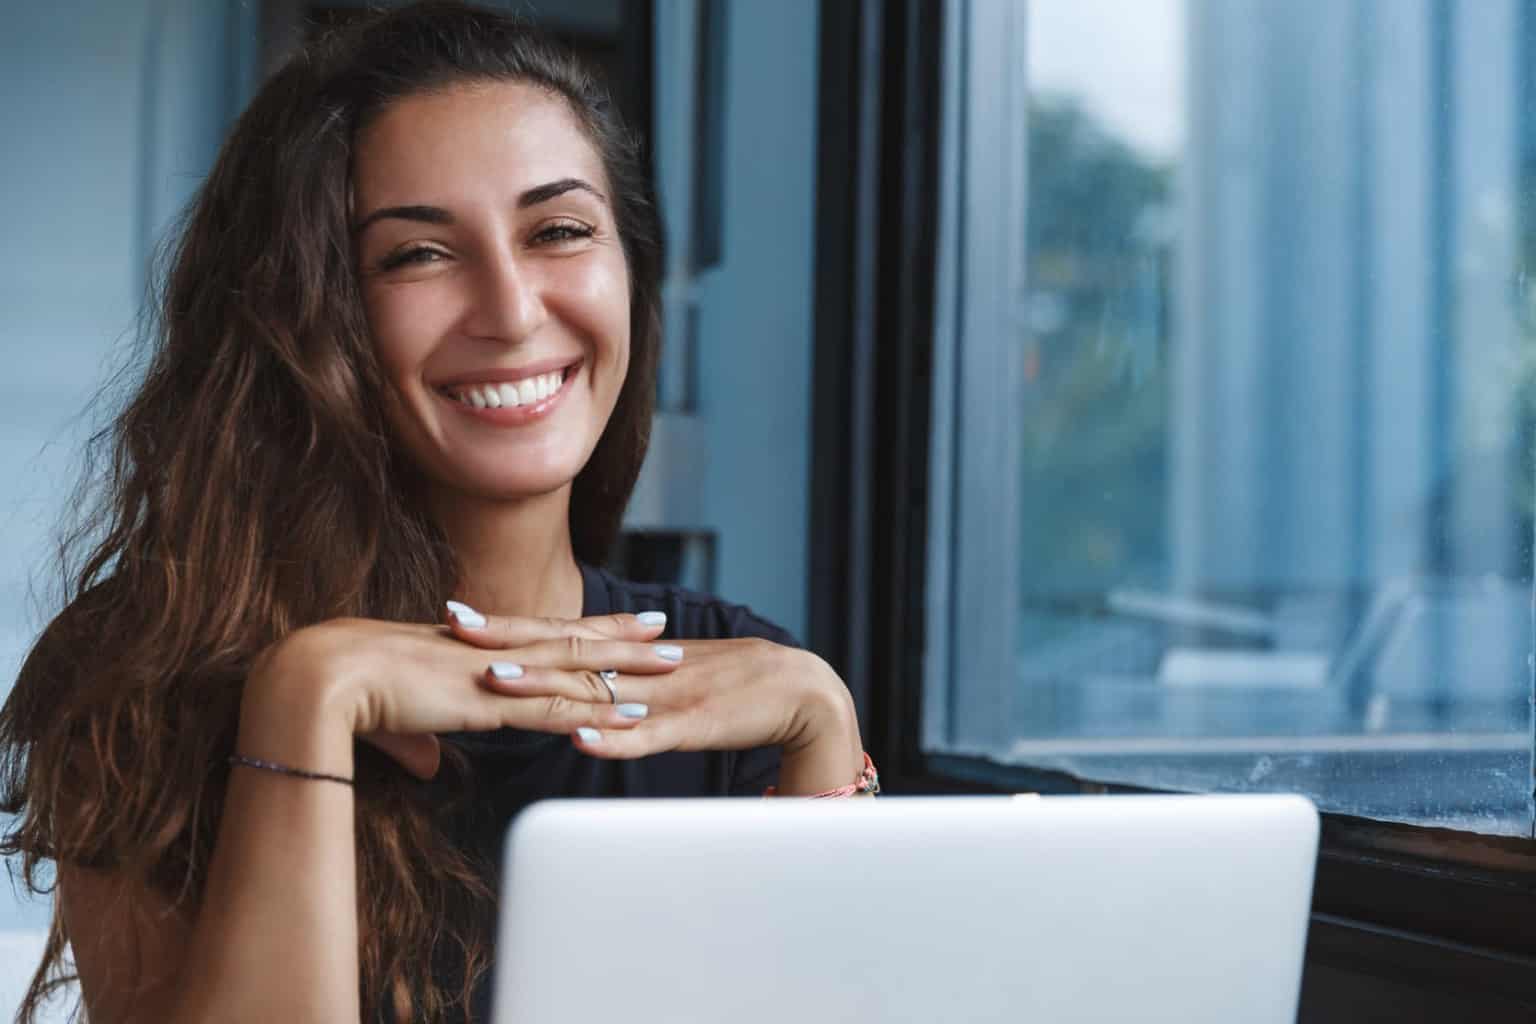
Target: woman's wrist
[
  {"x": 828, "y": 753},
  {"x": 292, "y": 715}
]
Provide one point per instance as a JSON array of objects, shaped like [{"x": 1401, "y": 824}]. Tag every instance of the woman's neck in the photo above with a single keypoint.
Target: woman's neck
[{"x": 516, "y": 556}]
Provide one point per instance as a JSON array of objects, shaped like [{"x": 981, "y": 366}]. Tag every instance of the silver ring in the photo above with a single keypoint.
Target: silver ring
[{"x": 608, "y": 675}]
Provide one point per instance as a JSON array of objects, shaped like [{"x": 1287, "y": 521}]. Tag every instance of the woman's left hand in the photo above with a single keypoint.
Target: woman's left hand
[{"x": 724, "y": 695}]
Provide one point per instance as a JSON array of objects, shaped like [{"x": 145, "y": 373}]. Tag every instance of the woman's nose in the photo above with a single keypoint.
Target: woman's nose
[{"x": 506, "y": 305}]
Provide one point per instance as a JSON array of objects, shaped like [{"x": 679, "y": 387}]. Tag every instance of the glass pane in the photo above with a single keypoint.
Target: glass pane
[{"x": 1278, "y": 403}]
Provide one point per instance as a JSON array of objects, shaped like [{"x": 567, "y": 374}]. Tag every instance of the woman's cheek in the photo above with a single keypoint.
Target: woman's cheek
[
  {"x": 599, "y": 286},
  {"x": 404, "y": 322},
  {"x": 606, "y": 300}
]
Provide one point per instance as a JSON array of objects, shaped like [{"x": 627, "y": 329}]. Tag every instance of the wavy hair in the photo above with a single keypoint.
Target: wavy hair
[{"x": 250, "y": 487}]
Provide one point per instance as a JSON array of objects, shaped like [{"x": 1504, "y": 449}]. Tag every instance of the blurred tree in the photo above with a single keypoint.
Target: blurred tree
[{"x": 1098, "y": 324}]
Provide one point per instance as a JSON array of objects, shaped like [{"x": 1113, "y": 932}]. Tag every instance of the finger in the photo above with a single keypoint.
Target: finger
[
  {"x": 515, "y": 680},
  {"x": 627, "y": 626},
  {"x": 420, "y": 754},
  {"x": 579, "y": 653},
  {"x": 492, "y": 631},
  {"x": 559, "y": 714},
  {"x": 655, "y": 736}
]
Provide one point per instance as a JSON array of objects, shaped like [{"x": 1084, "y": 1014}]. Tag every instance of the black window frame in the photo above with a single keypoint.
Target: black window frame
[{"x": 1408, "y": 923}]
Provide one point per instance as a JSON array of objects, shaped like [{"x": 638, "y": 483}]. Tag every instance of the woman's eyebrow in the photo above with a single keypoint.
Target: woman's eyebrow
[
  {"x": 420, "y": 214},
  {"x": 544, "y": 193},
  {"x": 437, "y": 215}
]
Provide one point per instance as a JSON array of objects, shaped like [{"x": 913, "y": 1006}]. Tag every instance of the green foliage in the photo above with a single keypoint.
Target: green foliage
[{"x": 1094, "y": 421}]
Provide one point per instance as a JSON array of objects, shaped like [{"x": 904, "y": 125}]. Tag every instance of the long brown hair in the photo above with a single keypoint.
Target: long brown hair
[{"x": 250, "y": 487}]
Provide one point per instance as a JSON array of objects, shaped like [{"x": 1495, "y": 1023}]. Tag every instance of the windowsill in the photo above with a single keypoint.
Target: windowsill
[
  {"x": 1473, "y": 784},
  {"x": 1031, "y": 750}
]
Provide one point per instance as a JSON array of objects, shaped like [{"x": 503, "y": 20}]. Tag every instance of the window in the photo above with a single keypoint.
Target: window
[{"x": 1235, "y": 398}]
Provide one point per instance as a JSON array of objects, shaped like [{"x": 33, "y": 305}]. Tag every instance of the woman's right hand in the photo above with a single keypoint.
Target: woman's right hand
[{"x": 397, "y": 685}]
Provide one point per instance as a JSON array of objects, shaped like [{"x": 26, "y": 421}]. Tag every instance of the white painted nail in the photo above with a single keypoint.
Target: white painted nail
[
  {"x": 633, "y": 710},
  {"x": 466, "y": 616},
  {"x": 670, "y": 652},
  {"x": 505, "y": 670},
  {"x": 652, "y": 618},
  {"x": 588, "y": 735}
]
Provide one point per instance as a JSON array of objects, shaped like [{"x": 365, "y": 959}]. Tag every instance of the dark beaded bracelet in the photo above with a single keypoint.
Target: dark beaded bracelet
[{"x": 282, "y": 769}]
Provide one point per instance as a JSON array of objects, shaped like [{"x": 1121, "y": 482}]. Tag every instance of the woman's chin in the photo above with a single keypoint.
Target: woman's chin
[
  {"x": 527, "y": 482},
  {"x": 507, "y": 475}
]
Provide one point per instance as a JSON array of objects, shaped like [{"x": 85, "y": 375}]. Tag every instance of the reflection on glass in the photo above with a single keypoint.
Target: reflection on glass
[{"x": 1279, "y": 401}]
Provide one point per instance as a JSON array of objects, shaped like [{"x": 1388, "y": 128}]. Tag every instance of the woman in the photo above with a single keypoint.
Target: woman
[{"x": 406, "y": 354}]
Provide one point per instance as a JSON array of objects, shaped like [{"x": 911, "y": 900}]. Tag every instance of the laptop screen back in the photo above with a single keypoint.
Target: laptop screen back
[{"x": 1068, "y": 909}]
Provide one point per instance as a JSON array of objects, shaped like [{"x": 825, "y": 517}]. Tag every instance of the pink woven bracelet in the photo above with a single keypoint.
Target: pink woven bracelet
[{"x": 867, "y": 782}]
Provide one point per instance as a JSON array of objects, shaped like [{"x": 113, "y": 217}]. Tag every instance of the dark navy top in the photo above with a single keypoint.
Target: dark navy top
[{"x": 510, "y": 768}]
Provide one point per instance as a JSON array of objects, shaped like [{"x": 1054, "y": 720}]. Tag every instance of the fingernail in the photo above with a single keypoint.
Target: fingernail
[
  {"x": 505, "y": 670},
  {"x": 652, "y": 618},
  {"x": 633, "y": 710},
  {"x": 466, "y": 616},
  {"x": 671, "y": 652},
  {"x": 588, "y": 735}
]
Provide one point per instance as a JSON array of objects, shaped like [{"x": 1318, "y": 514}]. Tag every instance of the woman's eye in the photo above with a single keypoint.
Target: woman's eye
[
  {"x": 410, "y": 257},
  {"x": 563, "y": 232}
]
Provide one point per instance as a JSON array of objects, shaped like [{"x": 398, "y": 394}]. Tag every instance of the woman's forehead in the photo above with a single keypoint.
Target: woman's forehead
[{"x": 480, "y": 142}]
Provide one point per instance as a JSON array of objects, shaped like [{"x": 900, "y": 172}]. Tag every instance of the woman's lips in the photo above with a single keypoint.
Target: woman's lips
[{"x": 514, "y": 415}]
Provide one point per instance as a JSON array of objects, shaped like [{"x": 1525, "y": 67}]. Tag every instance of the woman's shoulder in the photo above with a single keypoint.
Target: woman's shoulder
[{"x": 691, "y": 614}]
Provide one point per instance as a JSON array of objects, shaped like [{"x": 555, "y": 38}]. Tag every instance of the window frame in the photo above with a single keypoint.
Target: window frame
[{"x": 1426, "y": 910}]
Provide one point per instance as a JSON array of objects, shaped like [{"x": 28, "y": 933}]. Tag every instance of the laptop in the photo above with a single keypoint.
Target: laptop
[{"x": 1056, "y": 910}]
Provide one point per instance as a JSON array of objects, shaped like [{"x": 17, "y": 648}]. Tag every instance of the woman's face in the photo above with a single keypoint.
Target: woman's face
[{"x": 494, "y": 283}]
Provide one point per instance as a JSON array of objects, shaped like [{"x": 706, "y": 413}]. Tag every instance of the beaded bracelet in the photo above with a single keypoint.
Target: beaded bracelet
[
  {"x": 283, "y": 769},
  {"x": 868, "y": 783}
]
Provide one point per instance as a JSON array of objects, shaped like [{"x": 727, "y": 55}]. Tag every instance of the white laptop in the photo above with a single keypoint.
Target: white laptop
[{"x": 926, "y": 909}]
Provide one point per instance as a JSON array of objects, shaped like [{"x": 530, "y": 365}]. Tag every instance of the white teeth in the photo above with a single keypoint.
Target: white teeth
[{"x": 509, "y": 394}]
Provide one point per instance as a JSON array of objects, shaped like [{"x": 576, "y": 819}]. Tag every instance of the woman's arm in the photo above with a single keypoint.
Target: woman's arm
[
  {"x": 276, "y": 935},
  {"x": 276, "y": 938}
]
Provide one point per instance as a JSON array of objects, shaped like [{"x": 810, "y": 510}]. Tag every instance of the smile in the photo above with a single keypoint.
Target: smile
[
  {"x": 512, "y": 401},
  {"x": 492, "y": 395}
]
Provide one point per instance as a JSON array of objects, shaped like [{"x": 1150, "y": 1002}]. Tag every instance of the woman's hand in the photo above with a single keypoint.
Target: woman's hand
[
  {"x": 399, "y": 684},
  {"x": 722, "y": 695}
]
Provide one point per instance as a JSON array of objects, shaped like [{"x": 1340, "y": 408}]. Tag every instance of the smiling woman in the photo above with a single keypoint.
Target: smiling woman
[
  {"x": 404, "y": 363},
  {"x": 484, "y": 217}
]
